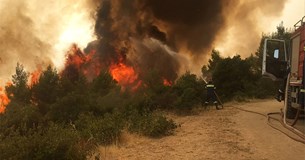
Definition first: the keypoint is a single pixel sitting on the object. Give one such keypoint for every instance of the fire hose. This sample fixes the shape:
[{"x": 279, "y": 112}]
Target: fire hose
[
  {"x": 301, "y": 136},
  {"x": 220, "y": 102},
  {"x": 282, "y": 120}
]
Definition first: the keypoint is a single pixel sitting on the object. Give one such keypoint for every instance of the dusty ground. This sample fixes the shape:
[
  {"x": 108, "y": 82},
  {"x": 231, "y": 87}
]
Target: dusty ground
[{"x": 228, "y": 134}]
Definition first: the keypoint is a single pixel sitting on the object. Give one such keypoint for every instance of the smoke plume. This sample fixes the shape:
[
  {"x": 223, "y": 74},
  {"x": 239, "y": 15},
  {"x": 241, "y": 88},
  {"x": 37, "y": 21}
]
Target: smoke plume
[
  {"x": 155, "y": 34},
  {"x": 38, "y": 33},
  {"x": 247, "y": 21},
  {"x": 170, "y": 36},
  {"x": 189, "y": 28}
]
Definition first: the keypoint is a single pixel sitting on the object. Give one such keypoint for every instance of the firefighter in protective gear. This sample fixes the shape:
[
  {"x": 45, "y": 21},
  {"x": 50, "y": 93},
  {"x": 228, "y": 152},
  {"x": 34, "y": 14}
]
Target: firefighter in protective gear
[{"x": 211, "y": 97}]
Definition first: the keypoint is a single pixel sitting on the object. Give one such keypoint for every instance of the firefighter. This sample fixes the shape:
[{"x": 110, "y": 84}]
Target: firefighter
[{"x": 211, "y": 97}]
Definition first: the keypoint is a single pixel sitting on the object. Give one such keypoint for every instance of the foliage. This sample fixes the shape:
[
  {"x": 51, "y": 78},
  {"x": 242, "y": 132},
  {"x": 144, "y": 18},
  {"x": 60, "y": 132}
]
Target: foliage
[
  {"x": 100, "y": 130},
  {"x": 103, "y": 83},
  {"x": 64, "y": 116},
  {"x": 69, "y": 107},
  {"x": 19, "y": 118},
  {"x": 215, "y": 58},
  {"x": 46, "y": 91},
  {"x": 238, "y": 79},
  {"x": 155, "y": 91},
  {"x": 52, "y": 142},
  {"x": 19, "y": 90},
  {"x": 148, "y": 123},
  {"x": 189, "y": 90}
]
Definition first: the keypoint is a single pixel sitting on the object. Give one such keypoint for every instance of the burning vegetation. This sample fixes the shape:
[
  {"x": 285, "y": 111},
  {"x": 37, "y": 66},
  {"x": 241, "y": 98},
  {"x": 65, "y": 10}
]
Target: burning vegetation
[
  {"x": 117, "y": 82},
  {"x": 4, "y": 101}
]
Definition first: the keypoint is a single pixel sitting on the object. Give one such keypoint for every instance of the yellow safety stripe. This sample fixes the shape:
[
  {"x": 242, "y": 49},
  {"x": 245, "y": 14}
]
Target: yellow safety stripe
[
  {"x": 302, "y": 90},
  {"x": 210, "y": 86}
]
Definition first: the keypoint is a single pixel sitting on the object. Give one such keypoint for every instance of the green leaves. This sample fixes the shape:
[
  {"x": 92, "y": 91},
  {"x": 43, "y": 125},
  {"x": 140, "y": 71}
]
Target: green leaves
[{"x": 19, "y": 90}]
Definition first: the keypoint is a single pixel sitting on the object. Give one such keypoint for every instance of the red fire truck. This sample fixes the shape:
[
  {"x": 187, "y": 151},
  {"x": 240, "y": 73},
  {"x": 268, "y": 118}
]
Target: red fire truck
[{"x": 282, "y": 61}]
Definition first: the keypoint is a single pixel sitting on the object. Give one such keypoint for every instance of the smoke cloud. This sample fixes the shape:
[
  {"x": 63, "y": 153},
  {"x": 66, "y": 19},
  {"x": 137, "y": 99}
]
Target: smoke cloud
[
  {"x": 246, "y": 22},
  {"x": 165, "y": 35},
  {"x": 189, "y": 28},
  {"x": 38, "y": 33}
]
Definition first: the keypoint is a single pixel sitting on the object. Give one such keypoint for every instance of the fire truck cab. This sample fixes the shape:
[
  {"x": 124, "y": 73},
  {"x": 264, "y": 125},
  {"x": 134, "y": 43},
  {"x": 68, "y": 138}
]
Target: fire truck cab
[{"x": 285, "y": 62}]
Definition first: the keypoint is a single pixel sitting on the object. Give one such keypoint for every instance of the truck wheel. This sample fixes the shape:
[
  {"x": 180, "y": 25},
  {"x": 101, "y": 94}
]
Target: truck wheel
[{"x": 290, "y": 111}]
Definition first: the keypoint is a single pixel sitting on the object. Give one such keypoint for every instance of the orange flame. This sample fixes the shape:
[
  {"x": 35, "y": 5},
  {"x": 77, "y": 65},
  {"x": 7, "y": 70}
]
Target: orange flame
[
  {"x": 75, "y": 56},
  {"x": 123, "y": 74},
  {"x": 86, "y": 63},
  {"x": 167, "y": 82},
  {"x": 35, "y": 76},
  {"x": 4, "y": 100}
]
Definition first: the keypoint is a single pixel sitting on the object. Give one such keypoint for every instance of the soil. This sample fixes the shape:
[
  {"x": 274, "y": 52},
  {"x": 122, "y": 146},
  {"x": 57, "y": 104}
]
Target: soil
[{"x": 228, "y": 134}]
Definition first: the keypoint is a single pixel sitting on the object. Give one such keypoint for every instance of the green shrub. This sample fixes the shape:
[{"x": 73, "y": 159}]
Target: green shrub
[
  {"x": 189, "y": 90},
  {"x": 187, "y": 100},
  {"x": 69, "y": 107},
  {"x": 159, "y": 126},
  {"x": 149, "y": 124},
  {"x": 53, "y": 142},
  {"x": 266, "y": 88},
  {"x": 240, "y": 96},
  {"x": 101, "y": 130},
  {"x": 19, "y": 117},
  {"x": 107, "y": 103}
]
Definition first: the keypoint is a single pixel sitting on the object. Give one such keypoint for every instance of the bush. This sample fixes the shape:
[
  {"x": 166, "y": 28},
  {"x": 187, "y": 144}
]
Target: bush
[
  {"x": 158, "y": 126},
  {"x": 69, "y": 107},
  {"x": 107, "y": 103},
  {"x": 105, "y": 130},
  {"x": 149, "y": 124},
  {"x": 53, "y": 142},
  {"x": 187, "y": 100},
  {"x": 189, "y": 90},
  {"x": 266, "y": 88},
  {"x": 240, "y": 96},
  {"x": 19, "y": 117}
]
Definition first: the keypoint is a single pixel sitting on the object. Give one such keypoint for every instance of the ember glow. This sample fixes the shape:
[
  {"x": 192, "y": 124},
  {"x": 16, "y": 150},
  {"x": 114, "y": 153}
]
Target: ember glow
[
  {"x": 34, "y": 76},
  {"x": 123, "y": 74},
  {"x": 76, "y": 57},
  {"x": 4, "y": 100},
  {"x": 167, "y": 82}
]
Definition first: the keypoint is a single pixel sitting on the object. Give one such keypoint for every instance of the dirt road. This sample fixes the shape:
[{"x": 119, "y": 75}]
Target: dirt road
[{"x": 228, "y": 134}]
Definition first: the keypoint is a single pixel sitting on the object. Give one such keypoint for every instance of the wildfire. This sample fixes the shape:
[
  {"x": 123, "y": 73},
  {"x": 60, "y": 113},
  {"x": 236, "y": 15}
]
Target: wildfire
[
  {"x": 123, "y": 74},
  {"x": 4, "y": 100},
  {"x": 85, "y": 63},
  {"x": 35, "y": 76},
  {"x": 77, "y": 57},
  {"x": 167, "y": 82}
]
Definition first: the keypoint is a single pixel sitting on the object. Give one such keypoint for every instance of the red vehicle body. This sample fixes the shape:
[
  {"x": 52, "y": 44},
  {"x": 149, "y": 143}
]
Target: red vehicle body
[{"x": 287, "y": 64}]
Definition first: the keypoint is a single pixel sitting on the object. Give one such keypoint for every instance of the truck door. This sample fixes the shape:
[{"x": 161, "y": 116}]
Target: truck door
[{"x": 274, "y": 59}]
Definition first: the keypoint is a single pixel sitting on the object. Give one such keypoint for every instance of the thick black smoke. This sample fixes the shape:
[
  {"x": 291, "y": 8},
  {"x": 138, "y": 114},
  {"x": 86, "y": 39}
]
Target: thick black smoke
[
  {"x": 191, "y": 24},
  {"x": 182, "y": 25}
]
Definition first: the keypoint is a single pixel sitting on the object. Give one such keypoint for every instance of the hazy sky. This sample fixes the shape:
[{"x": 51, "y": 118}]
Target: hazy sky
[
  {"x": 293, "y": 12},
  {"x": 243, "y": 35}
]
